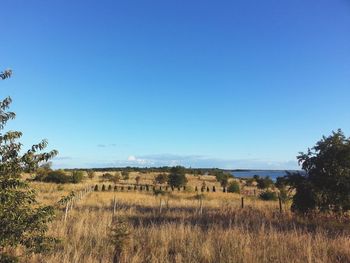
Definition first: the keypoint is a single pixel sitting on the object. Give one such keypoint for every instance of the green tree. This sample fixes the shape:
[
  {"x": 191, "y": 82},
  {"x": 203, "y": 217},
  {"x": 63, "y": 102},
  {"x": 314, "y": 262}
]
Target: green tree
[
  {"x": 77, "y": 176},
  {"x": 43, "y": 171},
  {"x": 125, "y": 175},
  {"x": 325, "y": 183},
  {"x": 177, "y": 176},
  {"x": 23, "y": 222},
  {"x": 161, "y": 178},
  {"x": 233, "y": 187},
  {"x": 222, "y": 177},
  {"x": 263, "y": 182},
  {"x": 58, "y": 177},
  {"x": 268, "y": 196}
]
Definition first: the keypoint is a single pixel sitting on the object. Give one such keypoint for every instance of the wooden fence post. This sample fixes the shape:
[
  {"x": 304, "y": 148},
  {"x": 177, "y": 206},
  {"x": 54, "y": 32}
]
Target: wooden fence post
[
  {"x": 280, "y": 203},
  {"x": 114, "y": 205},
  {"x": 160, "y": 206},
  {"x": 66, "y": 212},
  {"x": 242, "y": 202}
]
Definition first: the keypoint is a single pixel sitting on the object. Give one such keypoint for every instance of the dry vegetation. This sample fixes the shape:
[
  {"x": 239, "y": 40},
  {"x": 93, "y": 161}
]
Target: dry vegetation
[{"x": 223, "y": 232}]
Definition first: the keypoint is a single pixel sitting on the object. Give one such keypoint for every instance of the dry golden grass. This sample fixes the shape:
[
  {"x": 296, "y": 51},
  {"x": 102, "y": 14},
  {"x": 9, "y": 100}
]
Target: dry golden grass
[{"x": 222, "y": 233}]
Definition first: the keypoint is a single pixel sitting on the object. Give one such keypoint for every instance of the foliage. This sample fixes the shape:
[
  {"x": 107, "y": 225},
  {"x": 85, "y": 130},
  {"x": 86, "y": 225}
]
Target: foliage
[
  {"x": 58, "y": 177},
  {"x": 268, "y": 196},
  {"x": 23, "y": 219},
  {"x": 325, "y": 185},
  {"x": 77, "y": 177},
  {"x": 111, "y": 177},
  {"x": 161, "y": 178},
  {"x": 120, "y": 236},
  {"x": 91, "y": 174},
  {"x": 42, "y": 171},
  {"x": 233, "y": 187},
  {"x": 263, "y": 182},
  {"x": 177, "y": 177},
  {"x": 222, "y": 177},
  {"x": 125, "y": 175},
  {"x": 137, "y": 179},
  {"x": 250, "y": 181}
]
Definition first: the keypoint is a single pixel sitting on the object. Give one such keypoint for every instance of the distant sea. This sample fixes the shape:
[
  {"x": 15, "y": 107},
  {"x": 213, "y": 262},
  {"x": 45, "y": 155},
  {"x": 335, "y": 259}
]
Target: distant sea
[{"x": 273, "y": 174}]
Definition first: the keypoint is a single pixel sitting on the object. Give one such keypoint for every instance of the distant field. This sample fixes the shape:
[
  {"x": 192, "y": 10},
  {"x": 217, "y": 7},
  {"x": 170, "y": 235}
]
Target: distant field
[{"x": 185, "y": 227}]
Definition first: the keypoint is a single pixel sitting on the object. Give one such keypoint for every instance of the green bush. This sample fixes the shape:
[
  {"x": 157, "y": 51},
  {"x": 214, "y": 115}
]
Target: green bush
[
  {"x": 161, "y": 178},
  {"x": 233, "y": 187},
  {"x": 325, "y": 183},
  {"x": 177, "y": 177},
  {"x": 58, "y": 177},
  {"x": 125, "y": 175},
  {"x": 110, "y": 177},
  {"x": 77, "y": 177},
  {"x": 268, "y": 196},
  {"x": 263, "y": 182}
]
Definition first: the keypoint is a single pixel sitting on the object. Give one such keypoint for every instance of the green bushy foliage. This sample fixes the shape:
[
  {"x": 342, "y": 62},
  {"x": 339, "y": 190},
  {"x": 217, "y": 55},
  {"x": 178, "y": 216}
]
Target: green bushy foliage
[
  {"x": 263, "y": 182},
  {"x": 58, "y": 177},
  {"x": 222, "y": 177},
  {"x": 233, "y": 187},
  {"x": 23, "y": 221},
  {"x": 125, "y": 175},
  {"x": 177, "y": 177},
  {"x": 77, "y": 177},
  {"x": 161, "y": 178},
  {"x": 268, "y": 196},
  {"x": 325, "y": 184}
]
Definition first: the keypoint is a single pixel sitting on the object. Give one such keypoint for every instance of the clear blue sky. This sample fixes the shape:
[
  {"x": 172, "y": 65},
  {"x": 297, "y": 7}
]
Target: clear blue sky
[{"x": 230, "y": 84}]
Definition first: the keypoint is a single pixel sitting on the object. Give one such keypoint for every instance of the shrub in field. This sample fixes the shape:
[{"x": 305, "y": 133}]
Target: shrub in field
[
  {"x": 233, "y": 187},
  {"x": 137, "y": 179},
  {"x": 263, "y": 182},
  {"x": 161, "y": 178},
  {"x": 325, "y": 185},
  {"x": 91, "y": 174},
  {"x": 115, "y": 178},
  {"x": 77, "y": 177},
  {"x": 120, "y": 236},
  {"x": 268, "y": 196},
  {"x": 23, "y": 221},
  {"x": 42, "y": 172},
  {"x": 125, "y": 175},
  {"x": 58, "y": 177},
  {"x": 222, "y": 177},
  {"x": 250, "y": 181},
  {"x": 177, "y": 177}
]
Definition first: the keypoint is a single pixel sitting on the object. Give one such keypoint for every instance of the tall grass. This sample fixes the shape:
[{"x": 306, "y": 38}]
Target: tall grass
[{"x": 222, "y": 233}]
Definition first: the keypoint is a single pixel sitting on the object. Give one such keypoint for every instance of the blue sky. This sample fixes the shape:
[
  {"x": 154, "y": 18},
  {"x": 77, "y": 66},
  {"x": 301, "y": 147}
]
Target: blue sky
[{"x": 229, "y": 84}]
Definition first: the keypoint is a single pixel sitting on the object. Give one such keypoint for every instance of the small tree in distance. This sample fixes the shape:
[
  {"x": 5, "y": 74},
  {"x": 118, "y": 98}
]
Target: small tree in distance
[
  {"x": 177, "y": 176},
  {"x": 233, "y": 187},
  {"x": 161, "y": 178}
]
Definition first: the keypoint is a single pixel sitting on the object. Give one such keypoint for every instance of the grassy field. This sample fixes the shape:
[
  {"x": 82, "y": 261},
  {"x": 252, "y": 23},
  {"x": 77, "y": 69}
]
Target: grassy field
[{"x": 186, "y": 229}]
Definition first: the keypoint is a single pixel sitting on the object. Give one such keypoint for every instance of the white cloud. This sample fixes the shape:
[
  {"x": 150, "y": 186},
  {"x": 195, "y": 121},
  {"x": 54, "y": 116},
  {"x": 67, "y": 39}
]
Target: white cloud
[{"x": 131, "y": 158}]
